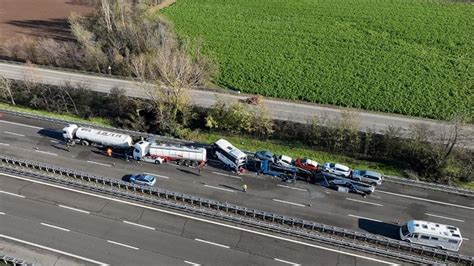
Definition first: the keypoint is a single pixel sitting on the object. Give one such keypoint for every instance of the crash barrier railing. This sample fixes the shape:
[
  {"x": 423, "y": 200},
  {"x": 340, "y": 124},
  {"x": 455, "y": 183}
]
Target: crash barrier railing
[
  {"x": 390, "y": 179},
  {"x": 430, "y": 186},
  {"x": 9, "y": 260},
  {"x": 295, "y": 227},
  {"x": 114, "y": 129}
]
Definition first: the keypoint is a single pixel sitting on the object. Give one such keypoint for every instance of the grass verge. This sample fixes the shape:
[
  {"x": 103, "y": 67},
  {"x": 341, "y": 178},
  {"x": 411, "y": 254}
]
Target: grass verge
[{"x": 95, "y": 120}]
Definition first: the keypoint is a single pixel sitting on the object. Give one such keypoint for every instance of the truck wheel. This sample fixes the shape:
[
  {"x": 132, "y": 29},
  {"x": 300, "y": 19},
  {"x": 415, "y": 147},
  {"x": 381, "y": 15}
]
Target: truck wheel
[
  {"x": 194, "y": 164},
  {"x": 84, "y": 143},
  {"x": 157, "y": 162},
  {"x": 186, "y": 163}
]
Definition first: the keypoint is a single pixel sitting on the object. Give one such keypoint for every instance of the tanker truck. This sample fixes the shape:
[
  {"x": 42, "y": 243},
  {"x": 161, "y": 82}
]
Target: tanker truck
[
  {"x": 152, "y": 151},
  {"x": 87, "y": 136}
]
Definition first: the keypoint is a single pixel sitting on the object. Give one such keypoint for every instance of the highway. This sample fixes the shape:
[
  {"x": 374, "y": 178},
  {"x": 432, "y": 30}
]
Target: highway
[
  {"x": 278, "y": 109},
  {"x": 100, "y": 230},
  {"x": 379, "y": 213}
]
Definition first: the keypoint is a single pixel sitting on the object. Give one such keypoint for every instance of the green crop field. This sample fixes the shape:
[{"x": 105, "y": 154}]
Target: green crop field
[{"x": 408, "y": 57}]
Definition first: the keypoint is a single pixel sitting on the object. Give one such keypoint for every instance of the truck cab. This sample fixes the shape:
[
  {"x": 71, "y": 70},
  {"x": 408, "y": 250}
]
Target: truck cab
[
  {"x": 68, "y": 132},
  {"x": 140, "y": 150}
]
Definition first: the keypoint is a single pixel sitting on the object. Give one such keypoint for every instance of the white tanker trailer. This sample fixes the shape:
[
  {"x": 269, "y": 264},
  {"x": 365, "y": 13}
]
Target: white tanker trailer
[
  {"x": 152, "y": 151},
  {"x": 87, "y": 136}
]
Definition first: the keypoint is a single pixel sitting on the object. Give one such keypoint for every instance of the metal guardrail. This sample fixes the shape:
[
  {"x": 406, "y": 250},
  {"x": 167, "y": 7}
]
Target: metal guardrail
[
  {"x": 390, "y": 179},
  {"x": 429, "y": 186},
  {"x": 9, "y": 260},
  {"x": 118, "y": 130},
  {"x": 295, "y": 227}
]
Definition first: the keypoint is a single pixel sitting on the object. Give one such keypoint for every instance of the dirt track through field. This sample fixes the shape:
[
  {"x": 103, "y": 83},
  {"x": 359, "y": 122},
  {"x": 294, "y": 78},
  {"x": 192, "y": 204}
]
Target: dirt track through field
[
  {"x": 37, "y": 18},
  {"x": 165, "y": 3}
]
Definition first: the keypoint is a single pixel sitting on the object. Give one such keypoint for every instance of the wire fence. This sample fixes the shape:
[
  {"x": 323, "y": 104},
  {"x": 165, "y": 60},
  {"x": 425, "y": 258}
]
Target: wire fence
[{"x": 268, "y": 221}]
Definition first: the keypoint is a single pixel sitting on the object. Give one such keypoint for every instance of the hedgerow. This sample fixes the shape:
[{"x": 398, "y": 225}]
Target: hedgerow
[{"x": 409, "y": 57}]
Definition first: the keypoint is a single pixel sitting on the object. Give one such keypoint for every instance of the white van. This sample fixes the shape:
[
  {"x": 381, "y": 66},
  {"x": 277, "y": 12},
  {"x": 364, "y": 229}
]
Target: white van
[{"x": 431, "y": 234}]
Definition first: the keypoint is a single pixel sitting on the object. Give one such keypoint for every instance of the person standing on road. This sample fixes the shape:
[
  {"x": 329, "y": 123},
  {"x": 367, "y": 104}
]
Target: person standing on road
[{"x": 109, "y": 152}]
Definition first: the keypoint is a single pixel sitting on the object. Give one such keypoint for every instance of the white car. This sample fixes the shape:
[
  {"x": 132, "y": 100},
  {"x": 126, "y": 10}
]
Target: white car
[
  {"x": 337, "y": 169},
  {"x": 284, "y": 160}
]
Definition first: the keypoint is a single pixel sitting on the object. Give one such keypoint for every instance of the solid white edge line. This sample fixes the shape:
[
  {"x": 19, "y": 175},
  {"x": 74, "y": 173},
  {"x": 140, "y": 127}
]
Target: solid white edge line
[
  {"x": 12, "y": 194},
  {"x": 2, "y": 213},
  {"x": 4, "y": 144},
  {"x": 13, "y": 133},
  {"x": 287, "y": 262},
  {"x": 45, "y": 152},
  {"x": 55, "y": 227},
  {"x": 366, "y": 202},
  {"x": 140, "y": 225},
  {"x": 362, "y": 217},
  {"x": 162, "y": 176},
  {"x": 289, "y": 202},
  {"x": 295, "y": 188},
  {"x": 211, "y": 243},
  {"x": 233, "y": 176},
  {"x": 225, "y": 189},
  {"x": 444, "y": 217},
  {"x": 192, "y": 263},
  {"x": 103, "y": 164},
  {"x": 428, "y": 200},
  {"x": 19, "y": 124},
  {"x": 123, "y": 245},
  {"x": 74, "y": 209},
  {"x": 467, "y": 239},
  {"x": 204, "y": 220},
  {"x": 53, "y": 250}
]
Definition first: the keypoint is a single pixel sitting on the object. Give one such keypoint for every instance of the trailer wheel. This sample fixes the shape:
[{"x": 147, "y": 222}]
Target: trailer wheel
[
  {"x": 194, "y": 164},
  {"x": 186, "y": 163},
  {"x": 179, "y": 162},
  {"x": 84, "y": 142}
]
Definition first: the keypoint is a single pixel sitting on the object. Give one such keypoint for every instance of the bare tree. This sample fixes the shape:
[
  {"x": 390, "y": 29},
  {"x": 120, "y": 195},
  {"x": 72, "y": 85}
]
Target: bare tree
[{"x": 6, "y": 88}]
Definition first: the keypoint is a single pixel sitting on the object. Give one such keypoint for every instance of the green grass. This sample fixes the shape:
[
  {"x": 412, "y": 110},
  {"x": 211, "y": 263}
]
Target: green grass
[
  {"x": 95, "y": 120},
  {"x": 295, "y": 151},
  {"x": 412, "y": 57}
]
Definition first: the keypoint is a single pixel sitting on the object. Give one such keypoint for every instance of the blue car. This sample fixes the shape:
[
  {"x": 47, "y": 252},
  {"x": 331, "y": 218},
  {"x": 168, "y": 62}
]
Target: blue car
[
  {"x": 143, "y": 179},
  {"x": 264, "y": 155}
]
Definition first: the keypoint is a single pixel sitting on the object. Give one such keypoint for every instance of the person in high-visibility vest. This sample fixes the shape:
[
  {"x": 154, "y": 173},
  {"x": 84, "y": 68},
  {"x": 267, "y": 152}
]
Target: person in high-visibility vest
[
  {"x": 244, "y": 188},
  {"x": 109, "y": 152}
]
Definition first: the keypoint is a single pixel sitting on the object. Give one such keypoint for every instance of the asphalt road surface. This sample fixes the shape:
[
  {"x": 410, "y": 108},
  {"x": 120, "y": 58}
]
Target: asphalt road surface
[
  {"x": 379, "y": 213},
  {"x": 279, "y": 109},
  {"x": 101, "y": 230}
]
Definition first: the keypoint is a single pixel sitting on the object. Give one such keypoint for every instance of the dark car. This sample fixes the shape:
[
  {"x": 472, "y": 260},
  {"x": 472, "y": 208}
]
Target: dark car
[
  {"x": 264, "y": 155},
  {"x": 143, "y": 179},
  {"x": 355, "y": 187}
]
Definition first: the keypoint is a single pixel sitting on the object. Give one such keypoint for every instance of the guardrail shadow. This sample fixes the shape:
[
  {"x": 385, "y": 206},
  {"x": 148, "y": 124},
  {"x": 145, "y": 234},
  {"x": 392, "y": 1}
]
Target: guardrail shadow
[{"x": 380, "y": 228}]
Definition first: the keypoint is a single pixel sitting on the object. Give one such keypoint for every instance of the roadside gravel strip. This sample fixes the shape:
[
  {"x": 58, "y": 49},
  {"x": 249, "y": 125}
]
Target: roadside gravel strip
[{"x": 207, "y": 208}]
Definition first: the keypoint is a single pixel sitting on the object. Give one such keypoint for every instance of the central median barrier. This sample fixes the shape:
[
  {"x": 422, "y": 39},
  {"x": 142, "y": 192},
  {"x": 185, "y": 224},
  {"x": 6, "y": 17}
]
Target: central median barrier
[{"x": 262, "y": 220}]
